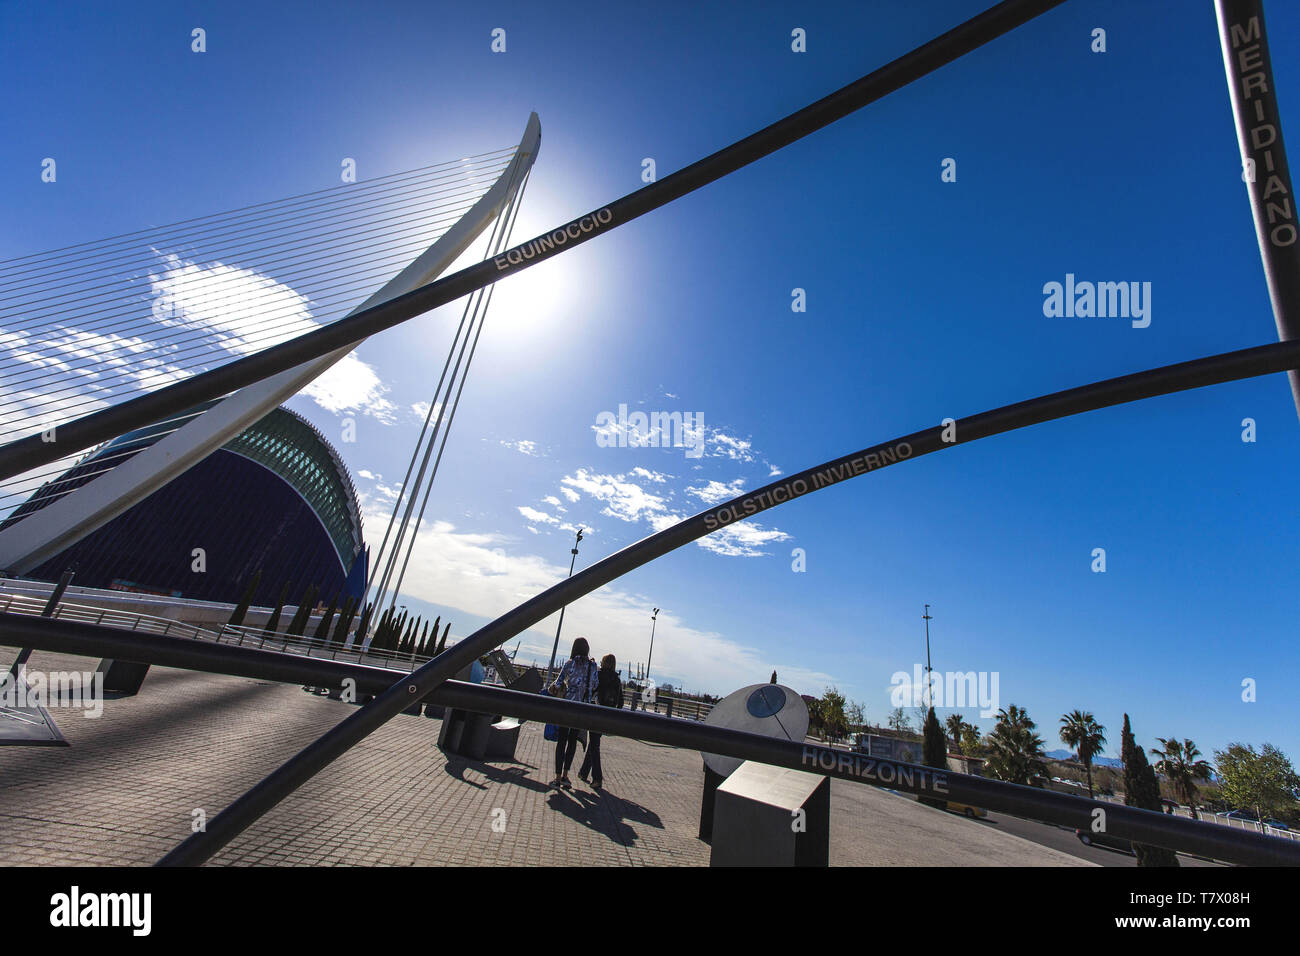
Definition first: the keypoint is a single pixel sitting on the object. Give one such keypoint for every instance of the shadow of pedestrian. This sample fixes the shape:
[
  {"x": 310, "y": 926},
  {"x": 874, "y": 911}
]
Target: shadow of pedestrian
[
  {"x": 604, "y": 813},
  {"x": 515, "y": 774}
]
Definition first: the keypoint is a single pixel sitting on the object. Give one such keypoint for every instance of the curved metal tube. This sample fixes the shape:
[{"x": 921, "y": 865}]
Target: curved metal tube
[
  {"x": 26, "y": 453},
  {"x": 1128, "y": 388}
]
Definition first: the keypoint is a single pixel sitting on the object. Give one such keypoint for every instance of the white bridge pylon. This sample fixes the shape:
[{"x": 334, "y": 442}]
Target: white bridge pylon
[{"x": 43, "y": 534}]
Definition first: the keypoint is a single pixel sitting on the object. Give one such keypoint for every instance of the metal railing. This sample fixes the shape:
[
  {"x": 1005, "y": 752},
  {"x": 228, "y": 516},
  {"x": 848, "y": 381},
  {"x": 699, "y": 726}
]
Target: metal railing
[
  {"x": 1207, "y": 816},
  {"x": 239, "y": 635}
]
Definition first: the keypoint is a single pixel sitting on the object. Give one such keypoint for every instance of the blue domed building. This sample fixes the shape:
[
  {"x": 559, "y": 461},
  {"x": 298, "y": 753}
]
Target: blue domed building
[{"x": 276, "y": 500}]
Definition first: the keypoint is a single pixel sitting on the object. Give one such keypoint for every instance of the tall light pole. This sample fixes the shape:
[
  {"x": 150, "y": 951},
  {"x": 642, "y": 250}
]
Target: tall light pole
[
  {"x": 550, "y": 668},
  {"x": 928, "y": 682},
  {"x": 653, "y": 618}
]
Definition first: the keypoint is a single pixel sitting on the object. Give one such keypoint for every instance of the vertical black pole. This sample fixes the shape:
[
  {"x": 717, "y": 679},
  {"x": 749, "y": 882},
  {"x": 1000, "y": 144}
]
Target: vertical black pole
[
  {"x": 48, "y": 611},
  {"x": 927, "y": 618},
  {"x": 550, "y": 668}
]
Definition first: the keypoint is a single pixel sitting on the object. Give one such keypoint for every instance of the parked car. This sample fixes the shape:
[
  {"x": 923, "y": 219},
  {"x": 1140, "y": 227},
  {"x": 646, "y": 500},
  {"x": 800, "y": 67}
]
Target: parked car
[
  {"x": 1239, "y": 815},
  {"x": 967, "y": 809},
  {"x": 1088, "y": 838},
  {"x": 1276, "y": 824}
]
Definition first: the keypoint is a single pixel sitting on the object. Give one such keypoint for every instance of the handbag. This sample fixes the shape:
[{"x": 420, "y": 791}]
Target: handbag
[{"x": 550, "y": 731}]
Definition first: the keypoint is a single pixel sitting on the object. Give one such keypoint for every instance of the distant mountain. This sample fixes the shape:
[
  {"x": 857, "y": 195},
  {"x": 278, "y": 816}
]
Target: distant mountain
[{"x": 1096, "y": 761}]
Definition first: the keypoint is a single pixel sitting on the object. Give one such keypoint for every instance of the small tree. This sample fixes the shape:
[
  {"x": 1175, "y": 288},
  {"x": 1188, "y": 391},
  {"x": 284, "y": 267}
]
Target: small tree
[
  {"x": 363, "y": 624},
  {"x": 273, "y": 622},
  {"x": 934, "y": 751},
  {"x": 241, "y": 609},
  {"x": 1264, "y": 782},
  {"x": 1141, "y": 790},
  {"x": 815, "y": 723},
  {"x": 832, "y": 713},
  {"x": 323, "y": 627},
  {"x": 305, "y": 604},
  {"x": 898, "y": 720},
  {"x": 972, "y": 745},
  {"x": 340, "y": 636},
  {"x": 856, "y": 713}
]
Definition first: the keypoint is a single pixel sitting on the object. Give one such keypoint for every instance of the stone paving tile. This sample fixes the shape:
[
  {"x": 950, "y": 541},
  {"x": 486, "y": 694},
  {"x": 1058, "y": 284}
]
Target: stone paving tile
[{"x": 125, "y": 793}]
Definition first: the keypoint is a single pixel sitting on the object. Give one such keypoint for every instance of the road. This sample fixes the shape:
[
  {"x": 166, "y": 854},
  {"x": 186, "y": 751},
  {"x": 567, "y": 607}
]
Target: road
[{"x": 1059, "y": 838}]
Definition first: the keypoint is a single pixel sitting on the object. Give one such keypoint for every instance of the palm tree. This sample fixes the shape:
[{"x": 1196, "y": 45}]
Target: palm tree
[
  {"x": 1180, "y": 767},
  {"x": 1080, "y": 730},
  {"x": 955, "y": 725},
  {"x": 1015, "y": 750}
]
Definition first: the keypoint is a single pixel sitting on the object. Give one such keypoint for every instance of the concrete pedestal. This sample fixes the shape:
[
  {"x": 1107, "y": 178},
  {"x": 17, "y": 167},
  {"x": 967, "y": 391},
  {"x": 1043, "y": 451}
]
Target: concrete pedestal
[
  {"x": 466, "y": 733},
  {"x": 711, "y": 783},
  {"x": 755, "y": 815},
  {"x": 122, "y": 677}
]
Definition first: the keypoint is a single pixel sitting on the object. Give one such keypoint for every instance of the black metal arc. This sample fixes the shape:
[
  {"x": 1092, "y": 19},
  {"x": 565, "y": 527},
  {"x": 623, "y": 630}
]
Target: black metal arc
[
  {"x": 1249, "y": 67},
  {"x": 313, "y": 758},
  {"x": 1142, "y": 826},
  {"x": 19, "y": 456}
]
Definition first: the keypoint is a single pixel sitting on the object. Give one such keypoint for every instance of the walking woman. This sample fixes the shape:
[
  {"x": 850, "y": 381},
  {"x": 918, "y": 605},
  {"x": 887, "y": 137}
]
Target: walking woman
[
  {"x": 576, "y": 681},
  {"x": 609, "y": 693}
]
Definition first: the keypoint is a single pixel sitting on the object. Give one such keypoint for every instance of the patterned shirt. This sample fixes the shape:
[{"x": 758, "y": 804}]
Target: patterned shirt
[{"x": 579, "y": 677}]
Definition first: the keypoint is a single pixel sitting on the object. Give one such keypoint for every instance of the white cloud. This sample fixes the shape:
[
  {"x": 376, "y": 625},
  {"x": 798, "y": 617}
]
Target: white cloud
[
  {"x": 716, "y": 492},
  {"x": 539, "y": 517},
  {"x": 655, "y": 476},
  {"x": 623, "y": 499},
  {"x": 736, "y": 449},
  {"x": 743, "y": 539},
  {"x": 476, "y": 573},
  {"x": 523, "y": 446},
  {"x": 350, "y": 385}
]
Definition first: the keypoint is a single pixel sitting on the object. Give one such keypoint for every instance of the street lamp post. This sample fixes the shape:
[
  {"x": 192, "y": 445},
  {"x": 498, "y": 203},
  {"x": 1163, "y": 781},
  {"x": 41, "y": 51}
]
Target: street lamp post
[
  {"x": 653, "y": 618},
  {"x": 550, "y": 668},
  {"x": 928, "y": 681}
]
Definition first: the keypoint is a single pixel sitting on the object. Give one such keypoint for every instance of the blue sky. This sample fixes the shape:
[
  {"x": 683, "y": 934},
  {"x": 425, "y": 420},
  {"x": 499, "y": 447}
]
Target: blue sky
[{"x": 924, "y": 301}]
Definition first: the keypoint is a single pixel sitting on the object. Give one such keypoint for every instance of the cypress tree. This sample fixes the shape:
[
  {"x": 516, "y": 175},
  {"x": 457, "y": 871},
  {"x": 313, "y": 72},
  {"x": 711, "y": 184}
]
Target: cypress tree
[
  {"x": 363, "y": 624},
  {"x": 305, "y": 604},
  {"x": 237, "y": 616},
  {"x": 345, "y": 621},
  {"x": 442, "y": 645},
  {"x": 934, "y": 751},
  {"x": 323, "y": 628},
  {"x": 1141, "y": 790},
  {"x": 273, "y": 622}
]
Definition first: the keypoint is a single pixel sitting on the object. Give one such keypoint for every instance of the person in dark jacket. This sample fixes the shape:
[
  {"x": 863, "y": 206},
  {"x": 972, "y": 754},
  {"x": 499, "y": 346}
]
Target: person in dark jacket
[{"x": 609, "y": 693}]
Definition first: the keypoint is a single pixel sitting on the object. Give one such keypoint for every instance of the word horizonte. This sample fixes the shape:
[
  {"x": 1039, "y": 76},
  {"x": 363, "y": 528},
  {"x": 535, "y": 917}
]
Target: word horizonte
[
  {"x": 849, "y": 764},
  {"x": 797, "y": 486},
  {"x": 553, "y": 240}
]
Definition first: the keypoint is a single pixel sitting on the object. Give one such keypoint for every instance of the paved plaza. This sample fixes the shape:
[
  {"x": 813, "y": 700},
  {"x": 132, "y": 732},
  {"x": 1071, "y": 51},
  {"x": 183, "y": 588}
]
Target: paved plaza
[{"x": 128, "y": 789}]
